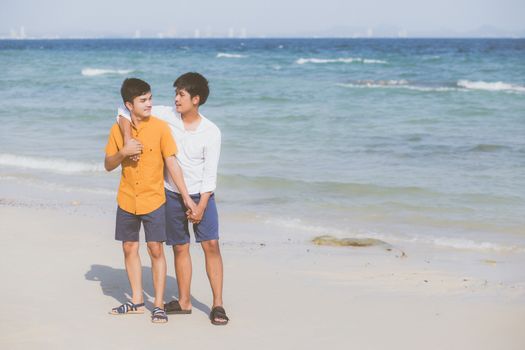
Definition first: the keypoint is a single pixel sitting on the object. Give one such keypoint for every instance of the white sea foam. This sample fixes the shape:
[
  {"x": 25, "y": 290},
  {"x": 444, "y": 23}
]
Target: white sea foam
[
  {"x": 396, "y": 84},
  {"x": 461, "y": 85},
  {"x": 230, "y": 55},
  {"x": 53, "y": 186},
  {"x": 92, "y": 72},
  {"x": 472, "y": 245},
  {"x": 56, "y": 165},
  {"x": 339, "y": 60},
  {"x": 397, "y": 239},
  {"x": 488, "y": 86},
  {"x": 382, "y": 82},
  {"x": 366, "y": 60}
]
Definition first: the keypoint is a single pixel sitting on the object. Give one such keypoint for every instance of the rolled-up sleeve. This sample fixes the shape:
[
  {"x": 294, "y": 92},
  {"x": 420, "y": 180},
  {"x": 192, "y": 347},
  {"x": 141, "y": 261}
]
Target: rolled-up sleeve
[
  {"x": 115, "y": 141},
  {"x": 168, "y": 146},
  {"x": 212, "y": 152}
]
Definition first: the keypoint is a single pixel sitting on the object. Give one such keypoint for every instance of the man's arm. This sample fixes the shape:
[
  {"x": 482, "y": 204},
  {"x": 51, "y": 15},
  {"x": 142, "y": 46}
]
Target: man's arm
[
  {"x": 125, "y": 128},
  {"x": 212, "y": 153},
  {"x": 124, "y": 125},
  {"x": 175, "y": 173},
  {"x": 131, "y": 148},
  {"x": 124, "y": 119}
]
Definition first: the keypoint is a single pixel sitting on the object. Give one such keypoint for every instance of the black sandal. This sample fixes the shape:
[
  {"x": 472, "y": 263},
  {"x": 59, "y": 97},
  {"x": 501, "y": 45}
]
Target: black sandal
[
  {"x": 218, "y": 313},
  {"x": 173, "y": 307}
]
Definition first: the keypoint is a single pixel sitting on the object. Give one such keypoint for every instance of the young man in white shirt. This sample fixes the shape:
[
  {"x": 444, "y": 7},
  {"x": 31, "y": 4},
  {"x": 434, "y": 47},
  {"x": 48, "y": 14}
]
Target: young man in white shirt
[{"x": 199, "y": 142}]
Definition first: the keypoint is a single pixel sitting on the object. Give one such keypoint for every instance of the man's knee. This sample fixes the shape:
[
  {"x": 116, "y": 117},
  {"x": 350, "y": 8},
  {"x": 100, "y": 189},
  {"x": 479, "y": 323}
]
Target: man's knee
[
  {"x": 155, "y": 250},
  {"x": 130, "y": 248},
  {"x": 211, "y": 246},
  {"x": 181, "y": 249}
]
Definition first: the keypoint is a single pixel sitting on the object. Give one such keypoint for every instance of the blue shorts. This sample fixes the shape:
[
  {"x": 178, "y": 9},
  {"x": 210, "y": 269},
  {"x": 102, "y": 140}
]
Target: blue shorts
[
  {"x": 177, "y": 225},
  {"x": 128, "y": 225}
]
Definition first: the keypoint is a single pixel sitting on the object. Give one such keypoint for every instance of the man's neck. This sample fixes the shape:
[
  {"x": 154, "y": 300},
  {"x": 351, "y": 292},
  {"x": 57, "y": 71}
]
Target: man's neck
[
  {"x": 136, "y": 120},
  {"x": 191, "y": 116}
]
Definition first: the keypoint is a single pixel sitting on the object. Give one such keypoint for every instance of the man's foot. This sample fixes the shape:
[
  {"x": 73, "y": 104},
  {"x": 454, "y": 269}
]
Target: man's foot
[
  {"x": 158, "y": 315},
  {"x": 218, "y": 316},
  {"x": 174, "y": 307},
  {"x": 128, "y": 308}
]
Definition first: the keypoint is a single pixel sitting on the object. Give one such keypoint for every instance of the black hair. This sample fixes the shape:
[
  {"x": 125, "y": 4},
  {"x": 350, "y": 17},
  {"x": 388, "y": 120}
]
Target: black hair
[
  {"x": 195, "y": 84},
  {"x": 133, "y": 87}
]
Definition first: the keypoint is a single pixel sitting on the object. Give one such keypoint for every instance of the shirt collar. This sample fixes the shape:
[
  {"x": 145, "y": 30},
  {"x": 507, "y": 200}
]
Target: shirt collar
[{"x": 143, "y": 123}]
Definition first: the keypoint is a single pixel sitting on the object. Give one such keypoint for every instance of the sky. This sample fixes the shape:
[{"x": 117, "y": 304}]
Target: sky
[{"x": 267, "y": 18}]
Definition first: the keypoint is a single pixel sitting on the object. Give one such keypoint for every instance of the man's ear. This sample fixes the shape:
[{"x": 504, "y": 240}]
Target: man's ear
[
  {"x": 129, "y": 105},
  {"x": 196, "y": 100}
]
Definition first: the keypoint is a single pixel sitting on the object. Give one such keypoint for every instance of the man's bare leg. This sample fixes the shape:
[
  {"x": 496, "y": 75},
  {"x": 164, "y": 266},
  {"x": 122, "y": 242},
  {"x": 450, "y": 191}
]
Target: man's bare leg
[
  {"x": 183, "y": 270},
  {"x": 134, "y": 270},
  {"x": 214, "y": 270},
  {"x": 158, "y": 269}
]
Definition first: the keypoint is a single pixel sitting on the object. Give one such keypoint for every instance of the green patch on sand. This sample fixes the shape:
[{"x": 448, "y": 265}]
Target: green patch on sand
[
  {"x": 348, "y": 242},
  {"x": 489, "y": 261},
  {"x": 328, "y": 240}
]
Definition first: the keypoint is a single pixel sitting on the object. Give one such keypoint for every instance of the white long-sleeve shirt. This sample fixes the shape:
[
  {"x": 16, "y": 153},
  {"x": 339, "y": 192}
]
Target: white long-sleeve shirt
[{"x": 198, "y": 151}]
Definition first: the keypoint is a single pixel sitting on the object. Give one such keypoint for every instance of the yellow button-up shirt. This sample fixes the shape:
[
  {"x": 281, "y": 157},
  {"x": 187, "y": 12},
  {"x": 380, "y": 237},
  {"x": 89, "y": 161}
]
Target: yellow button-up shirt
[{"x": 141, "y": 189}]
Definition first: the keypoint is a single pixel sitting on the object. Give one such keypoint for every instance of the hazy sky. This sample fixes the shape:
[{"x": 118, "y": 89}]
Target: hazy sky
[{"x": 267, "y": 17}]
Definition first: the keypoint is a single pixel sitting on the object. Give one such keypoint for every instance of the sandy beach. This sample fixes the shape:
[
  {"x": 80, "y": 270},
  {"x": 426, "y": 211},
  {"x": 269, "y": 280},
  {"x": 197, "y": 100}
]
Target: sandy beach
[
  {"x": 367, "y": 163},
  {"x": 63, "y": 272}
]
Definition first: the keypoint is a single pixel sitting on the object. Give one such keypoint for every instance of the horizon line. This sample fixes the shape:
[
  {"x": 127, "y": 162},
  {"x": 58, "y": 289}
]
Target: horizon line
[{"x": 259, "y": 38}]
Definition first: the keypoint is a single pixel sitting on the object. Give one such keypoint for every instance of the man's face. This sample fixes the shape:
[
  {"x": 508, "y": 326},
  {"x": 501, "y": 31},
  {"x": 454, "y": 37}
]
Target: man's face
[
  {"x": 184, "y": 102},
  {"x": 141, "y": 105}
]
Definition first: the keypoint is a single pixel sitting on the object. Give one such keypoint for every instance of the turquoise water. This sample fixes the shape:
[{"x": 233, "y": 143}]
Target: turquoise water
[{"x": 414, "y": 139}]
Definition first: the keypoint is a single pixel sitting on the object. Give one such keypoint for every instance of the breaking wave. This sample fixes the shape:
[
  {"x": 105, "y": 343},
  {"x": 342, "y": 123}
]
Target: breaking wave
[
  {"x": 339, "y": 60},
  {"x": 49, "y": 164},
  {"x": 230, "y": 55},
  {"x": 93, "y": 72}
]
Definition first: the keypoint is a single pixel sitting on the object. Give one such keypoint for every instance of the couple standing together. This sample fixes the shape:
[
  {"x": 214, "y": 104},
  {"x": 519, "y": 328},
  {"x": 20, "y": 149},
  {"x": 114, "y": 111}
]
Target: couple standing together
[{"x": 169, "y": 158}]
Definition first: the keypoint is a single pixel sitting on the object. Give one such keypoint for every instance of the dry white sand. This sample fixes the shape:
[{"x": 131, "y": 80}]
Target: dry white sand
[{"x": 62, "y": 271}]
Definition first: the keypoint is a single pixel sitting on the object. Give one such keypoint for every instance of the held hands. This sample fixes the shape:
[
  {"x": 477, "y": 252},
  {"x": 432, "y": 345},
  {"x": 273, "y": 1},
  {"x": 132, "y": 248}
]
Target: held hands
[
  {"x": 195, "y": 216},
  {"x": 194, "y": 212},
  {"x": 132, "y": 149}
]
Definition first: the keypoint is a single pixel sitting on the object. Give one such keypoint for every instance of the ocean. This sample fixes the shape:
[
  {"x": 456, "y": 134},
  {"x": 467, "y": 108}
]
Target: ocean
[{"x": 419, "y": 140}]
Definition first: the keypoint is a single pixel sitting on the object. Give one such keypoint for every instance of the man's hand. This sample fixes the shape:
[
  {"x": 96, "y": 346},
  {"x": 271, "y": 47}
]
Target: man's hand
[
  {"x": 135, "y": 158},
  {"x": 132, "y": 148},
  {"x": 189, "y": 204},
  {"x": 195, "y": 216}
]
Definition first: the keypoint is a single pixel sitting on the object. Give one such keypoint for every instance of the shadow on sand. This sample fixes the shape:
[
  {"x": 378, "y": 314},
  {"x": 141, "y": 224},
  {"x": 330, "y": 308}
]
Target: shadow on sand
[{"x": 114, "y": 283}]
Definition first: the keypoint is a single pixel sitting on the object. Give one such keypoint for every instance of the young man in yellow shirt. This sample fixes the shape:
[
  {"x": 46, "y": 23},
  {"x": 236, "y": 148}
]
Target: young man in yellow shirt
[{"x": 141, "y": 197}]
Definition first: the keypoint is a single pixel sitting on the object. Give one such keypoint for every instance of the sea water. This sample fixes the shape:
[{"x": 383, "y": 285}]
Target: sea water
[{"x": 408, "y": 139}]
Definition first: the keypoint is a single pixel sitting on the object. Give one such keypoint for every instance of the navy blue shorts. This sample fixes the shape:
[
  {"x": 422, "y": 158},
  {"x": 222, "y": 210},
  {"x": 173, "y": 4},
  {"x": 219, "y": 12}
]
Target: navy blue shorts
[
  {"x": 177, "y": 225},
  {"x": 128, "y": 225}
]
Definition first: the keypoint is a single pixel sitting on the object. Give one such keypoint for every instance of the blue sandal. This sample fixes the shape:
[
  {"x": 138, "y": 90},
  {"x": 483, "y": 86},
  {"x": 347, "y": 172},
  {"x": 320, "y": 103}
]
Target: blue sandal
[
  {"x": 158, "y": 315},
  {"x": 127, "y": 308}
]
